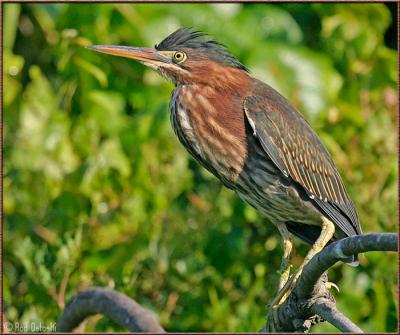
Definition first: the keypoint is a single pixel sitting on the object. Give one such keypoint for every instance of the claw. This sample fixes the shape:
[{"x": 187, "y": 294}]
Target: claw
[{"x": 329, "y": 285}]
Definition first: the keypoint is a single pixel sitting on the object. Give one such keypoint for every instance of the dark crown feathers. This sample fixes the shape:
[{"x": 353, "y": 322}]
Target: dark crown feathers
[{"x": 197, "y": 40}]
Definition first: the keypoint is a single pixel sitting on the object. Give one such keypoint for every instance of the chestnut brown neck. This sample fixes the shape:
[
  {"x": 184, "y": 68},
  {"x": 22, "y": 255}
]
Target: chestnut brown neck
[{"x": 216, "y": 76}]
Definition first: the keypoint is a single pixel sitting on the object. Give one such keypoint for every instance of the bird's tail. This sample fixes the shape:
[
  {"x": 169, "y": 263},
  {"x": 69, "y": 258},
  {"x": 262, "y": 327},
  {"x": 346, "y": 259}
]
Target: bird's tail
[{"x": 352, "y": 261}]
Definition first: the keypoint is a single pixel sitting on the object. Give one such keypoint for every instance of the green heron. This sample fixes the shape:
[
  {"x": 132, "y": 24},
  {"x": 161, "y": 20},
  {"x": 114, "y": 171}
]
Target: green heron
[{"x": 254, "y": 140}]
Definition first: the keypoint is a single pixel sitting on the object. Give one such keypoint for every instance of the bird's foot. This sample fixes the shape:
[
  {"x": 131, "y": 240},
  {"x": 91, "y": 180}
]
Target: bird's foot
[
  {"x": 273, "y": 307},
  {"x": 272, "y": 325}
]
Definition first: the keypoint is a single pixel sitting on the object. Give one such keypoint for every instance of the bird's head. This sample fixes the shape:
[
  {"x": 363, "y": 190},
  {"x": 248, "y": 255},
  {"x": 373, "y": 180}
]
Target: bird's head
[{"x": 185, "y": 57}]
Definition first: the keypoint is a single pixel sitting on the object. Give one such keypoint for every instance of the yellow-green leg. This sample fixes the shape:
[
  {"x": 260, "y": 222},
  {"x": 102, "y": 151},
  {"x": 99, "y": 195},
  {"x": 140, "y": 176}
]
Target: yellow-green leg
[
  {"x": 327, "y": 231},
  {"x": 284, "y": 270}
]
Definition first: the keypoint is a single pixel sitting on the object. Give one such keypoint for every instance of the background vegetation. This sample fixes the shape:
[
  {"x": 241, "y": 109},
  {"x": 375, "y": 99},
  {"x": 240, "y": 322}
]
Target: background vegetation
[{"x": 98, "y": 191}]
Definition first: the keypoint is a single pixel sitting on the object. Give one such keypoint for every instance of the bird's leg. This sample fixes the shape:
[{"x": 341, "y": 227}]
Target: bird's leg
[
  {"x": 284, "y": 270},
  {"x": 327, "y": 231}
]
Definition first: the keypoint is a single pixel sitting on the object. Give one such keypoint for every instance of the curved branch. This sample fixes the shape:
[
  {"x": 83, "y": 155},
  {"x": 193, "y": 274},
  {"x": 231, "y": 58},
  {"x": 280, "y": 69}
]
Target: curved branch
[
  {"x": 309, "y": 302},
  {"x": 120, "y": 308},
  {"x": 311, "y": 298},
  {"x": 340, "y": 250}
]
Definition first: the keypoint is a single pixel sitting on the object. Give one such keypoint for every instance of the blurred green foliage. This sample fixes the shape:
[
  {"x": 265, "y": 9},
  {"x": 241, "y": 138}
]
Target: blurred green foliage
[{"x": 98, "y": 191}]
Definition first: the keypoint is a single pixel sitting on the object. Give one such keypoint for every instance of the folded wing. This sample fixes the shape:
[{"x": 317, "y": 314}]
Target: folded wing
[{"x": 294, "y": 147}]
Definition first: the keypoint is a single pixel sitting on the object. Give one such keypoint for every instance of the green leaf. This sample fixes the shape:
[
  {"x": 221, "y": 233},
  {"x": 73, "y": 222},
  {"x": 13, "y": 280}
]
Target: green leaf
[
  {"x": 11, "y": 18},
  {"x": 93, "y": 70},
  {"x": 12, "y": 66}
]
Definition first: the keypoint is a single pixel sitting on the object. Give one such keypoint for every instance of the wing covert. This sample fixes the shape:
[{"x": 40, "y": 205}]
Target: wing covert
[{"x": 296, "y": 150}]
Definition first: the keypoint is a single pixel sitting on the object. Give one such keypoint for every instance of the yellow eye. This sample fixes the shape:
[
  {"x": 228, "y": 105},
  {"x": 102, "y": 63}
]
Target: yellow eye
[{"x": 179, "y": 57}]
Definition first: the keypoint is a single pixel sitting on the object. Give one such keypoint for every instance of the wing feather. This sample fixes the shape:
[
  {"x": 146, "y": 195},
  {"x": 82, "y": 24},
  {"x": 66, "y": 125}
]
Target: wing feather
[{"x": 296, "y": 150}]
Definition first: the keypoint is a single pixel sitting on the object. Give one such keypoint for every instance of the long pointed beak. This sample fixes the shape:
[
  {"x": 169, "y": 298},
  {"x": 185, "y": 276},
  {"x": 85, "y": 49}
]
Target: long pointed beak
[{"x": 148, "y": 56}]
